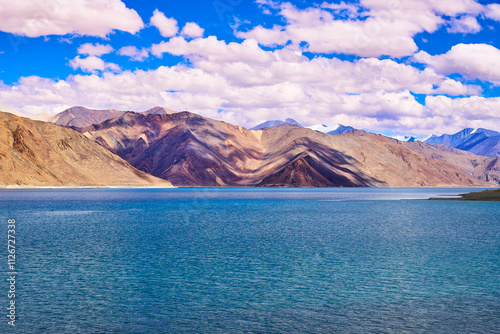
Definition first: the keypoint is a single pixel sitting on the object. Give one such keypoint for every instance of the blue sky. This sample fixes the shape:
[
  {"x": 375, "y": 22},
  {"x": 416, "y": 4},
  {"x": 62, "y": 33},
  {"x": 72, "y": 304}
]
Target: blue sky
[{"x": 412, "y": 66}]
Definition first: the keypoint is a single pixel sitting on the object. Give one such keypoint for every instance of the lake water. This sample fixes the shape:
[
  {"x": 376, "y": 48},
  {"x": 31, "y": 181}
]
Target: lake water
[{"x": 251, "y": 261}]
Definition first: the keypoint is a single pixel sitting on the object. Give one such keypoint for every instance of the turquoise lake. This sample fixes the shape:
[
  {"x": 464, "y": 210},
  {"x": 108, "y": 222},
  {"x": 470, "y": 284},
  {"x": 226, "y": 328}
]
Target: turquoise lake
[{"x": 251, "y": 260}]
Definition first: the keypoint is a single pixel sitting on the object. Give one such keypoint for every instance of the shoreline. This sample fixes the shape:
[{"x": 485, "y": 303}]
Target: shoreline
[
  {"x": 83, "y": 187},
  {"x": 14, "y": 187},
  {"x": 486, "y": 195}
]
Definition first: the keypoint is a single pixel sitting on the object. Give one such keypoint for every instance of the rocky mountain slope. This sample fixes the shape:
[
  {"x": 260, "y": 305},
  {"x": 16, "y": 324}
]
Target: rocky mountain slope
[
  {"x": 34, "y": 153},
  {"x": 191, "y": 150}
]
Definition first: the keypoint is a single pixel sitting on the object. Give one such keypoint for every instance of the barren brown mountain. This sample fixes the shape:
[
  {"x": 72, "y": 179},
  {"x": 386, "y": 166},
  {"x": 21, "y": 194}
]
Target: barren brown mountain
[
  {"x": 34, "y": 153},
  {"x": 191, "y": 150}
]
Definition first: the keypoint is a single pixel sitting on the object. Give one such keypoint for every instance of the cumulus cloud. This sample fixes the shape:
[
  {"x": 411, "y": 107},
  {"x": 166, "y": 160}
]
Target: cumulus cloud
[
  {"x": 167, "y": 26},
  {"x": 492, "y": 11},
  {"x": 474, "y": 111},
  {"x": 212, "y": 49},
  {"x": 473, "y": 61},
  {"x": 92, "y": 64},
  {"x": 380, "y": 27},
  {"x": 350, "y": 9},
  {"x": 192, "y": 30},
  {"x": 322, "y": 33},
  {"x": 246, "y": 64},
  {"x": 34, "y": 18},
  {"x": 465, "y": 25},
  {"x": 94, "y": 49},
  {"x": 133, "y": 53}
]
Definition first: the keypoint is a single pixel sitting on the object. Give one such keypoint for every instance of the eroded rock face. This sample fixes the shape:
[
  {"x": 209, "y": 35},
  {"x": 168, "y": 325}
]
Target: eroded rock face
[
  {"x": 34, "y": 153},
  {"x": 190, "y": 150}
]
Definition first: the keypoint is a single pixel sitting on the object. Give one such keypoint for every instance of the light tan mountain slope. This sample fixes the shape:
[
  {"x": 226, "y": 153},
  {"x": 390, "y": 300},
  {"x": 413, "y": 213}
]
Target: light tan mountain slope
[
  {"x": 34, "y": 153},
  {"x": 483, "y": 168}
]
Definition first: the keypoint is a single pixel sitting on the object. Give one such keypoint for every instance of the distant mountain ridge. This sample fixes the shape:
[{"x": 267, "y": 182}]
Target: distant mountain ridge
[
  {"x": 407, "y": 139},
  {"x": 273, "y": 123},
  {"x": 80, "y": 116},
  {"x": 158, "y": 111},
  {"x": 479, "y": 141},
  {"x": 331, "y": 129},
  {"x": 325, "y": 128}
]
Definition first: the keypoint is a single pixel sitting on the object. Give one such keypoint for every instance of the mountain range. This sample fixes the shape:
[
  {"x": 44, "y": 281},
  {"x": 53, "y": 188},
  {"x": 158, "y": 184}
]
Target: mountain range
[
  {"x": 186, "y": 149},
  {"x": 190, "y": 150},
  {"x": 81, "y": 116},
  {"x": 478, "y": 141},
  {"x": 325, "y": 128}
]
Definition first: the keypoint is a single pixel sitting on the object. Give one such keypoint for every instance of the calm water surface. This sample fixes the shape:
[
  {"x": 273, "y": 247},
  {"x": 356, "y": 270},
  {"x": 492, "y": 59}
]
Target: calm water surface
[{"x": 251, "y": 261}]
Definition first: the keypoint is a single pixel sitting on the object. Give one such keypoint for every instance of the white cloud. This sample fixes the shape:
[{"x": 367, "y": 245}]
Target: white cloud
[
  {"x": 493, "y": 12},
  {"x": 192, "y": 30},
  {"x": 268, "y": 3},
  {"x": 34, "y": 18},
  {"x": 134, "y": 53},
  {"x": 94, "y": 49},
  {"x": 246, "y": 64},
  {"x": 212, "y": 49},
  {"x": 473, "y": 111},
  {"x": 428, "y": 7},
  {"x": 465, "y": 25},
  {"x": 167, "y": 26},
  {"x": 92, "y": 64},
  {"x": 473, "y": 61},
  {"x": 351, "y": 9},
  {"x": 380, "y": 27}
]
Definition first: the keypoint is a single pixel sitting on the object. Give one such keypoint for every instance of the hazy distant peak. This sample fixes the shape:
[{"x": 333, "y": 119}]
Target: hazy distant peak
[
  {"x": 40, "y": 117},
  {"x": 273, "y": 123},
  {"x": 159, "y": 111},
  {"x": 10, "y": 110}
]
